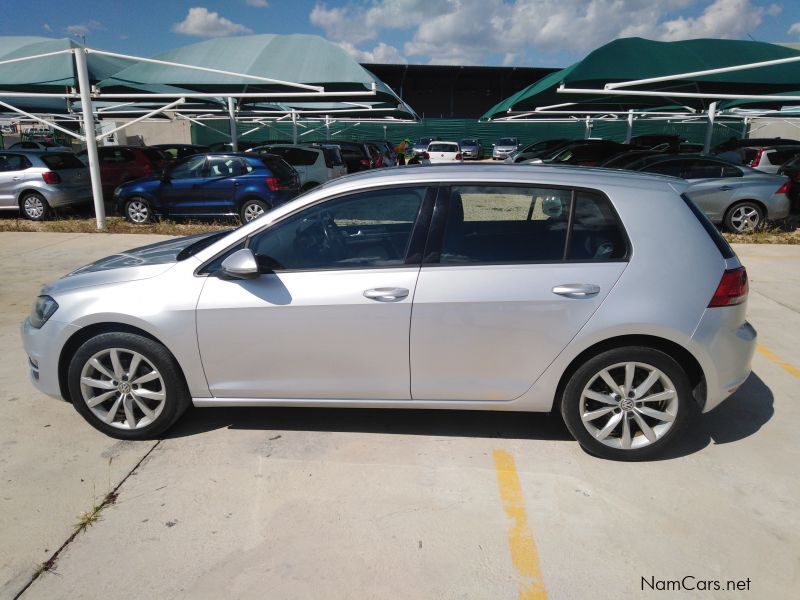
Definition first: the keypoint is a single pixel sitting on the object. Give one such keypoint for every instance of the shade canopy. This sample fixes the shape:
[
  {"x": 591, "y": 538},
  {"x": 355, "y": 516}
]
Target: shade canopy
[{"x": 632, "y": 59}]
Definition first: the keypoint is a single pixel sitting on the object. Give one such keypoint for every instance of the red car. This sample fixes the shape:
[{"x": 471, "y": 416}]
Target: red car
[{"x": 119, "y": 164}]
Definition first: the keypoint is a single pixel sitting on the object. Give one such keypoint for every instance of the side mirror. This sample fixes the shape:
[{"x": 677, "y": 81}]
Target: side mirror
[{"x": 241, "y": 265}]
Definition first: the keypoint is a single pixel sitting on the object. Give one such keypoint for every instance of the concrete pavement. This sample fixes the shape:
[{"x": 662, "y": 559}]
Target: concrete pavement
[{"x": 300, "y": 503}]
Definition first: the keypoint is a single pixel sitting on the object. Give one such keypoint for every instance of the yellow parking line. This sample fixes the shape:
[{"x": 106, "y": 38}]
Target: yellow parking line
[
  {"x": 520, "y": 540},
  {"x": 786, "y": 366}
]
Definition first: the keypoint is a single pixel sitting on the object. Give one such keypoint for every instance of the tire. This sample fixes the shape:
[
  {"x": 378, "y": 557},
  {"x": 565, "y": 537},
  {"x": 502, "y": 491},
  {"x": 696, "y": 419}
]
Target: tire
[
  {"x": 138, "y": 211},
  {"x": 34, "y": 207},
  {"x": 252, "y": 209},
  {"x": 166, "y": 399},
  {"x": 652, "y": 426},
  {"x": 744, "y": 217}
]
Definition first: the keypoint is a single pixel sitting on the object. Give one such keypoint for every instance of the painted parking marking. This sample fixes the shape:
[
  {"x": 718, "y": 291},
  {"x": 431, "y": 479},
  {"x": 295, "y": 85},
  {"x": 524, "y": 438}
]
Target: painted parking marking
[
  {"x": 785, "y": 365},
  {"x": 524, "y": 556}
]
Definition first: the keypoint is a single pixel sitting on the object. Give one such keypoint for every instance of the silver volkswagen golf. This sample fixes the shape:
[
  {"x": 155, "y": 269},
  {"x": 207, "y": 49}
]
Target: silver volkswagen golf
[{"x": 604, "y": 296}]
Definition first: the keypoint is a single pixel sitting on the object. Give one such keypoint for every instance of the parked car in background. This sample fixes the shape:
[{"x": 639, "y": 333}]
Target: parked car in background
[
  {"x": 178, "y": 151},
  {"x": 211, "y": 185},
  {"x": 582, "y": 153},
  {"x": 628, "y": 157},
  {"x": 34, "y": 182},
  {"x": 791, "y": 169},
  {"x": 357, "y": 156},
  {"x": 740, "y": 198},
  {"x": 333, "y": 156},
  {"x": 242, "y": 145},
  {"x": 471, "y": 148},
  {"x": 503, "y": 147},
  {"x": 387, "y": 152},
  {"x": 536, "y": 150},
  {"x": 663, "y": 142},
  {"x": 767, "y": 158},
  {"x": 421, "y": 145},
  {"x": 442, "y": 152},
  {"x": 43, "y": 146},
  {"x": 309, "y": 161},
  {"x": 119, "y": 164},
  {"x": 533, "y": 300}
]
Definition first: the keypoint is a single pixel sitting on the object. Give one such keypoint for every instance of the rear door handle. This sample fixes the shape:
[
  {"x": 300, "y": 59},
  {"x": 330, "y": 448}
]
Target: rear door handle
[
  {"x": 386, "y": 294},
  {"x": 577, "y": 290}
]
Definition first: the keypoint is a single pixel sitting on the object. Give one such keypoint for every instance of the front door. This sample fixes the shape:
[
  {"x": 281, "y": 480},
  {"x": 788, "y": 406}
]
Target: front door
[
  {"x": 179, "y": 190},
  {"x": 503, "y": 295},
  {"x": 329, "y": 317},
  {"x": 12, "y": 175}
]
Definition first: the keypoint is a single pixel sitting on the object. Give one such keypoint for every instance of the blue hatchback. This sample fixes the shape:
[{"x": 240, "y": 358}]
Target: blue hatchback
[{"x": 207, "y": 185}]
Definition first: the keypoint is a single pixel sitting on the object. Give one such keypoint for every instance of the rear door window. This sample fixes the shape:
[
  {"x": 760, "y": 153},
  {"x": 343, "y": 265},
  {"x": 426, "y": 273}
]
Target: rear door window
[
  {"x": 675, "y": 168},
  {"x": 596, "y": 233},
  {"x": 14, "y": 162},
  {"x": 703, "y": 169}
]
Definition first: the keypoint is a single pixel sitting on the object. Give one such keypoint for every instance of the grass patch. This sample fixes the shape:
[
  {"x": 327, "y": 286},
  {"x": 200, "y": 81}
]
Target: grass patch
[
  {"x": 770, "y": 235},
  {"x": 113, "y": 225}
]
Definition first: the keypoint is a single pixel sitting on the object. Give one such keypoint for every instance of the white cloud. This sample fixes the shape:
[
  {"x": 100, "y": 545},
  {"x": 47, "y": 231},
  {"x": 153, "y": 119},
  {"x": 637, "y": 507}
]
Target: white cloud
[
  {"x": 380, "y": 54},
  {"x": 204, "y": 23},
  {"x": 258, "y": 3},
  {"x": 469, "y": 31},
  {"x": 794, "y": 29},
  {"x": 83, "y": 29},
  {"x": 47, "y": 27}
]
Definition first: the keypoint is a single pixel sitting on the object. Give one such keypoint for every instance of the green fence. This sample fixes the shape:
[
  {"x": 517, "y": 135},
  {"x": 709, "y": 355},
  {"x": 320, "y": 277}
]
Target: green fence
[{"x": 457, "y": 129}]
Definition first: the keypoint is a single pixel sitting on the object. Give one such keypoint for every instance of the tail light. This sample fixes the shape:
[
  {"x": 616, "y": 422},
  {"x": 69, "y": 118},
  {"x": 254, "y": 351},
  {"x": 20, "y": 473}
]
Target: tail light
[
  {"x": 757, "y": 159},
  {"x": 273, "y": 184},
  {"x": 784, "y": 189},
  {"x": 365, "y": 163},
  {"x": 458, "y": 156},
  {"x": 51, "y": 177},
  {"x": 426, "y": 156},
  {"x": 732, "y": 288}
]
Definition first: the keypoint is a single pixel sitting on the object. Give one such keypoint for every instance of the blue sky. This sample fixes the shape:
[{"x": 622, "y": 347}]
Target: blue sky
[{"x": 488, "y": 32}]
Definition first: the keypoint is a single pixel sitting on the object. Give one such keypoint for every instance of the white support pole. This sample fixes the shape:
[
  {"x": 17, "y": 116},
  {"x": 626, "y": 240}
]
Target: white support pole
[
  {"x": 385, "y": 136},
  {"x": 232, "y": 122},
  {"x": 87, "y": 111},
  {"x": 629, "y": 132},
  {"x": 327, "y": 127},
  {"x": 712, "y": 110},
  {"x": 588, "y": 129},
  {"x": 294, "y": 127},
  {"x": 745, "y": 125}
]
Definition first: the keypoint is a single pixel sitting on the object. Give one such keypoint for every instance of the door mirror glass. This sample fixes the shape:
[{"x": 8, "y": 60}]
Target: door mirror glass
[{"x": 240, "y": 265}]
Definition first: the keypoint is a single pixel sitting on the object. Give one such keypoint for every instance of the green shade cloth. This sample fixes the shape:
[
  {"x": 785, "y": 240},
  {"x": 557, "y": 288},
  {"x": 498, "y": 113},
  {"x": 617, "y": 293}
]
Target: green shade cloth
[{"x": 636, "y": 58}]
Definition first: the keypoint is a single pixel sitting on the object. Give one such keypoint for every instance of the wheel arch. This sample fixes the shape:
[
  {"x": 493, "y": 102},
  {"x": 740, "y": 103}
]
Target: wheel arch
[
  {"x": 739, "y": 201},
  {"x": 681, "y": 355},
  {"x": 29, "y": 190},
  {"x": 86, "y": 333}
]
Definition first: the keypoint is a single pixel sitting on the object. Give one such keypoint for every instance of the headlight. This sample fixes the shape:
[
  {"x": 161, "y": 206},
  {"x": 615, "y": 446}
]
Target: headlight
[{"x": 44, "y": 308}]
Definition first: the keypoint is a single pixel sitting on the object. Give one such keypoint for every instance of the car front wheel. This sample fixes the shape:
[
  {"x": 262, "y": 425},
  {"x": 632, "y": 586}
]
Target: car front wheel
[
  {"x": 127, "y": 386},
  {"x": 627, "y": 403},
  {"x": 34, "y": 206},
  {"x": 138, "y": 210}
]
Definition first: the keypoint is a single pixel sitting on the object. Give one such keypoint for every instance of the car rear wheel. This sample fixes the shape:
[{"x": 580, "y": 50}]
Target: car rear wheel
[
  {"x": 127, "y": 386},
  {"x": 744, "y": 217},
  {"x": 138, "y": 210},
  {"x": 627, "y": 403},
  {"x": 252, "y": 209},
  {"x": 34, "y": 206}
]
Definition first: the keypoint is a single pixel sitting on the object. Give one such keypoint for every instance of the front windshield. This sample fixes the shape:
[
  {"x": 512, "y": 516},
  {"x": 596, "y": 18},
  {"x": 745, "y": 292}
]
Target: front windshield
[
  {"x": 469, "y": 142},
  {"x": 507, "y": 142}
]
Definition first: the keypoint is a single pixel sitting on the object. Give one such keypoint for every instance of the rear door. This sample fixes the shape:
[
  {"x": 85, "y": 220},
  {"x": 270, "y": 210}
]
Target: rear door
[{"x": 500, "y": 294}]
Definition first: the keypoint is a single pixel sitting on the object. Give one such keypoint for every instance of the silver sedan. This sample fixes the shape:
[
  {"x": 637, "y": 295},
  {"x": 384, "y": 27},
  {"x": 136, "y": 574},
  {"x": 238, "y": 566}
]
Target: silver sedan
[{"x": 532, "y": 290}]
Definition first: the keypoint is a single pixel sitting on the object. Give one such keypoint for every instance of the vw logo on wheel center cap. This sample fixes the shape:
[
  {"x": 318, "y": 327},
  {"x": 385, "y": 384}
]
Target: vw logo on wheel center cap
[
  {"x": 626, "y": 404},
  {"x": 125, "y": 387}
]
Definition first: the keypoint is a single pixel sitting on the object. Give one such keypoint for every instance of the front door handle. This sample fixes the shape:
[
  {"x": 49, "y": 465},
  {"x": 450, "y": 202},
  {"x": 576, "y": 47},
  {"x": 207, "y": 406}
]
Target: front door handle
[
  {"x": 386, "y": 294},
  {"x": 16, "y": 178},
  {"x": 726, "y": 188},
  {"x": 577, "y": 290}
]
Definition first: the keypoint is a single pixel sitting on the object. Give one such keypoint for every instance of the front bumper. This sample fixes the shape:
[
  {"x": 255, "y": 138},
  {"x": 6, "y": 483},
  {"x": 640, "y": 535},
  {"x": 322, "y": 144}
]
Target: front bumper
[
  {"x": 43, "y": 347},
  {"x": 501, "y": 153}
]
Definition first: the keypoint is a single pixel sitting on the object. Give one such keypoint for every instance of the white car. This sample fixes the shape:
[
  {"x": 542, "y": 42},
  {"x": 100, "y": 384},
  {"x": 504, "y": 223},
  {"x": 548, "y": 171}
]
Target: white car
[
  {"x": 442, "y": 152},
  {"x": 314, "y": 165}
]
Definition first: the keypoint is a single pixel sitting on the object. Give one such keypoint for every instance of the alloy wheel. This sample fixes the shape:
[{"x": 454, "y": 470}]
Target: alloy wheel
[
  {"x": 252, "y": 211},
  {"x": 34, "y": 207},
  {"x": 138, "y": 211},
  {"x": 122, "y": 388},
  {"x": 745, "y": 218},
  {"x": 628, "y": 405}
]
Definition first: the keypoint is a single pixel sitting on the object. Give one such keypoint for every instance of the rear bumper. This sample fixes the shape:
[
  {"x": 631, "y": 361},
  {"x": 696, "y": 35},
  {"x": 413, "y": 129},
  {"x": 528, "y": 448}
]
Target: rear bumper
[
  {"x": 727, "y": 342},
  {"x": 67, "y": 196}
]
